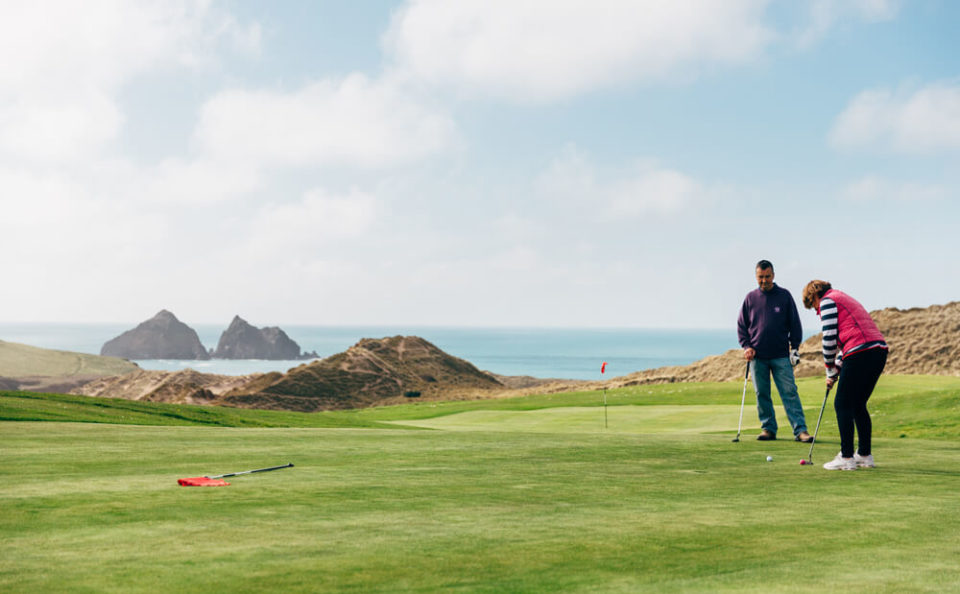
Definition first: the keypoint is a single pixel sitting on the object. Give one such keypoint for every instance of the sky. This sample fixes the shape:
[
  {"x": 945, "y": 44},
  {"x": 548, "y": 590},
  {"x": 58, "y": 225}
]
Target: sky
[{"x": 490, "y": 163}]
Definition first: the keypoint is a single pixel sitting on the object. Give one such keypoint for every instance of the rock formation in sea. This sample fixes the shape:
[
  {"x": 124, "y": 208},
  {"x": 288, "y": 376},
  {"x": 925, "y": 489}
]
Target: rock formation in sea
[
  {"x": 161, "y": 337},
  {"x": 243, "y": 341}
]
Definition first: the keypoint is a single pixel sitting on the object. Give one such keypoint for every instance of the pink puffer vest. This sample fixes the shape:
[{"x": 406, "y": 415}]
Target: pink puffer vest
[{"x": 854, "y": 325}]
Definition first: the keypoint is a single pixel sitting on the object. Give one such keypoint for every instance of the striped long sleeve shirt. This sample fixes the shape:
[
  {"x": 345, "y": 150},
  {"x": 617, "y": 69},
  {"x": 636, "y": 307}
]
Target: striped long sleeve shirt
[{"x": 828, "y": 317}]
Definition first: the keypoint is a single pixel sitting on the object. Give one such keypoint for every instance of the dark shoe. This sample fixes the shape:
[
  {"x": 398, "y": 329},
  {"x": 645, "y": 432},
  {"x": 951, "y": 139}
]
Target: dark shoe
[
  {"x": 804, "y": 437},
  {"x": 766, "y": 436}
]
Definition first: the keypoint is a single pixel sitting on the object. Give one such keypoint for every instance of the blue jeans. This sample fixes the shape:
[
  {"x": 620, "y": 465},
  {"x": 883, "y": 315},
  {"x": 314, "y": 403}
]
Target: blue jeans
[{"x": 782, "y": 371}]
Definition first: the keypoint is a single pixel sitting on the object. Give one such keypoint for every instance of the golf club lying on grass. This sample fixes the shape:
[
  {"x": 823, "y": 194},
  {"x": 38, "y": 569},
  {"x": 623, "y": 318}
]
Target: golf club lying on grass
[
  {"x": 809, "y": 458},
  {"x": 743, "y": 398},
  {"x": 217, "y": 481}
]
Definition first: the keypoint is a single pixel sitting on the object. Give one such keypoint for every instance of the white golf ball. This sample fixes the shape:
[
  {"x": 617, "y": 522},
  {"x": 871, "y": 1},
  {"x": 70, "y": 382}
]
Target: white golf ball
[{"x": 769, "y": 458}]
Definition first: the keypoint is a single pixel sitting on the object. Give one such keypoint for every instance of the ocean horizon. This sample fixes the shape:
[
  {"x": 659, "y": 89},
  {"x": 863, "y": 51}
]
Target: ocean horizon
[{"x": 566, "y": 353}]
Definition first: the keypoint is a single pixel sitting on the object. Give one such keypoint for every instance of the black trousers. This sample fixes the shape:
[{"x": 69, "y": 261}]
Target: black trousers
[{"x": 858, "y": 376}]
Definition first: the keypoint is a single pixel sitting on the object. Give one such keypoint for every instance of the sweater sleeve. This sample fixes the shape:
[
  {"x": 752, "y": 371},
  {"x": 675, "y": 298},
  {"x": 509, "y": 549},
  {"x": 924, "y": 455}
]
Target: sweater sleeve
[
  {"x": 828, "y": 317},
  {"x": 743, "y": 325},
  {"x": 796, "y": 329}
]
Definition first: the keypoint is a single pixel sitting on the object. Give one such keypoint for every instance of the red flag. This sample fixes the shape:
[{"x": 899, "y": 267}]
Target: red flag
[{"x": 603, "y": 367}]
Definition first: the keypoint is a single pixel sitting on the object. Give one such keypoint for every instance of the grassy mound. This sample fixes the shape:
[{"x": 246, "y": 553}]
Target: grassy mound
[
  {"x": 19, "y": 360},
  {"x": 528, "y": 494},
  {"x": 30, "y": 406}
]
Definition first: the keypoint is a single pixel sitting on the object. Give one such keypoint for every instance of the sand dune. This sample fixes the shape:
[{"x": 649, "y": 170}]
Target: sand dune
[{"x": 923, "y": 341}]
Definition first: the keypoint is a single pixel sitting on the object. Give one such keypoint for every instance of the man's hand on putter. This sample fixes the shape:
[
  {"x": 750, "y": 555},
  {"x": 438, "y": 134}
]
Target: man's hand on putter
[
  {"x": 749, "y": 354},
  {"x": 831, "y": 379}
]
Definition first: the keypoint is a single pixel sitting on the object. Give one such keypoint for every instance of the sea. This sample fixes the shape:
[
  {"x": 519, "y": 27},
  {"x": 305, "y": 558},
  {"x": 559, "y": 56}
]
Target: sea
[{"x": 565, "y": 353}]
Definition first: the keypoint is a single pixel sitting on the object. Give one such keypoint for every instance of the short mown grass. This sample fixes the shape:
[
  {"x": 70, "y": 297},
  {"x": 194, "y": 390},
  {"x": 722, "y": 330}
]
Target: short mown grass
[{"x": 530, "y": 499}]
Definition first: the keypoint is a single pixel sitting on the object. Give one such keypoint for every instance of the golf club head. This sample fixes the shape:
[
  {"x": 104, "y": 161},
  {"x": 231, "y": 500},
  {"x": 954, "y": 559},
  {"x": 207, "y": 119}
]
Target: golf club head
[{"x": 735, "y": 440}]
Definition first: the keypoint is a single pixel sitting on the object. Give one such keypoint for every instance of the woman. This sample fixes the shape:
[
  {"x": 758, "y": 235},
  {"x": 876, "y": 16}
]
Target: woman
[{"x": 850, "y": 332}]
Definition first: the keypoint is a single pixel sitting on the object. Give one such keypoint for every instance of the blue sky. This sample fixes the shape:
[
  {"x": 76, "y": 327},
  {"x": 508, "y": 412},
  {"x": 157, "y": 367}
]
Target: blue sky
[{"x": 474, "y": 163}]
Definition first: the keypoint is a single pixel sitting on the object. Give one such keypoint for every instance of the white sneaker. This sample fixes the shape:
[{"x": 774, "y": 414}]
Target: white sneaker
[
  {"x": 841, "y": 463},
  {"x": 864, "y": 461}
]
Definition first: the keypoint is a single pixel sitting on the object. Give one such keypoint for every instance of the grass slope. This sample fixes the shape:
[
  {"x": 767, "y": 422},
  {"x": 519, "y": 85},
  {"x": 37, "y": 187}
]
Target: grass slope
[
  {"x": 31, "y": 406},
  {"x": 530, "y": 501},
  {"x": 19, "y": 360}
]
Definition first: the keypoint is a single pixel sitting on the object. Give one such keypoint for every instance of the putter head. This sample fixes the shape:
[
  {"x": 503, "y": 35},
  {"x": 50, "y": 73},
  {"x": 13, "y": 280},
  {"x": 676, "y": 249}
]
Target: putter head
[{"x": 736, "y": 440}]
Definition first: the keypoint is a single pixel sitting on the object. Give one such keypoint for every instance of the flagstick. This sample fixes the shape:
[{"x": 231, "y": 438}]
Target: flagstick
[
  {"x": 603, "y": 369},
  {"x": 604, "y": 408}
]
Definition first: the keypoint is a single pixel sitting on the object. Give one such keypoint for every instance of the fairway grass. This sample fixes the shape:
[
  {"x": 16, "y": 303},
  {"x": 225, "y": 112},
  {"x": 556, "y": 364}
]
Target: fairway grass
[{"x": 490, "y": 496}]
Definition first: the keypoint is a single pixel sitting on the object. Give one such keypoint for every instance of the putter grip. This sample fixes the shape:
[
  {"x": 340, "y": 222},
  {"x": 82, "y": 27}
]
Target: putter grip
[{"x": 272, "y": 468}]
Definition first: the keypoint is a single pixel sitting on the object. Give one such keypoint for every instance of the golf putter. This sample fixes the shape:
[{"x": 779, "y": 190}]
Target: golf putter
[
  {"x": 743, "y": 399},
  {"x": 220, "y": 476},
  {"x": 816, "y": 432}
]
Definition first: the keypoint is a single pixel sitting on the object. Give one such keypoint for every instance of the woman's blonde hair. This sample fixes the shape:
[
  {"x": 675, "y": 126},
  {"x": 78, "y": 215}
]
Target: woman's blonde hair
[{"x": 814, "y": 290}]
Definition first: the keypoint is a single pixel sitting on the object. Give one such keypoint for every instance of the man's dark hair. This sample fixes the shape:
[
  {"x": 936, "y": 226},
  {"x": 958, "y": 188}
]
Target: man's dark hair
[{"x": 764, "y": 264}]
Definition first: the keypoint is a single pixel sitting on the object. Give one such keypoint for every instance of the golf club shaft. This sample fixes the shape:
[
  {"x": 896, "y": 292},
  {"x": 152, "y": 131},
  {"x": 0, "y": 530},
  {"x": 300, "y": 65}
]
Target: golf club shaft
[
  {"x": 817, "y": 431},
  {"x": 743, "y": 399},
  {"x": 249, "y": 471}
]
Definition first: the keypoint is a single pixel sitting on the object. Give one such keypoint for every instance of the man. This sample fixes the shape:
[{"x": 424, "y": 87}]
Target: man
[{"x": 769, "y": 331}]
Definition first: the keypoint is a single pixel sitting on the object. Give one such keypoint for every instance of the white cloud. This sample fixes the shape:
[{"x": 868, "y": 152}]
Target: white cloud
[
  {"x": 354, "y": 121},
  {"x": 66, "y": 61},
  {"x": 61, "y": 238},
  {"x": 314, "y": 223},
  {"x": 41, "y": 129},
  {"x": 645, "y": 189},
  {"x": 917, "y": 121},
  {"x": 823, "y": 15},
  {"x": 539, "y": 50},
  {"x": 652, "y": 189},
  {"x": 877, "y": 10},
  {"x": 79, "y": 213},
  {"x": 516, "y": 259},
  {"x": 570, "y": 176},
  {"x": 513, "y": 226},
  {"x": 877, "y": 189},
  {"x": 198, "y": 181}
]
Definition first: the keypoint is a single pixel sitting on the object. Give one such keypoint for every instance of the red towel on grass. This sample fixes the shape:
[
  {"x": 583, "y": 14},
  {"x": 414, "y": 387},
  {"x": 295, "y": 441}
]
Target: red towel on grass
[{"x": 202, "y": 481}]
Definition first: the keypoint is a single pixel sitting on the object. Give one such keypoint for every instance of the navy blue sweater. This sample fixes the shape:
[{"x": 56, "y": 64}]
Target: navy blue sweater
[{"x": 769, "y": 323}]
